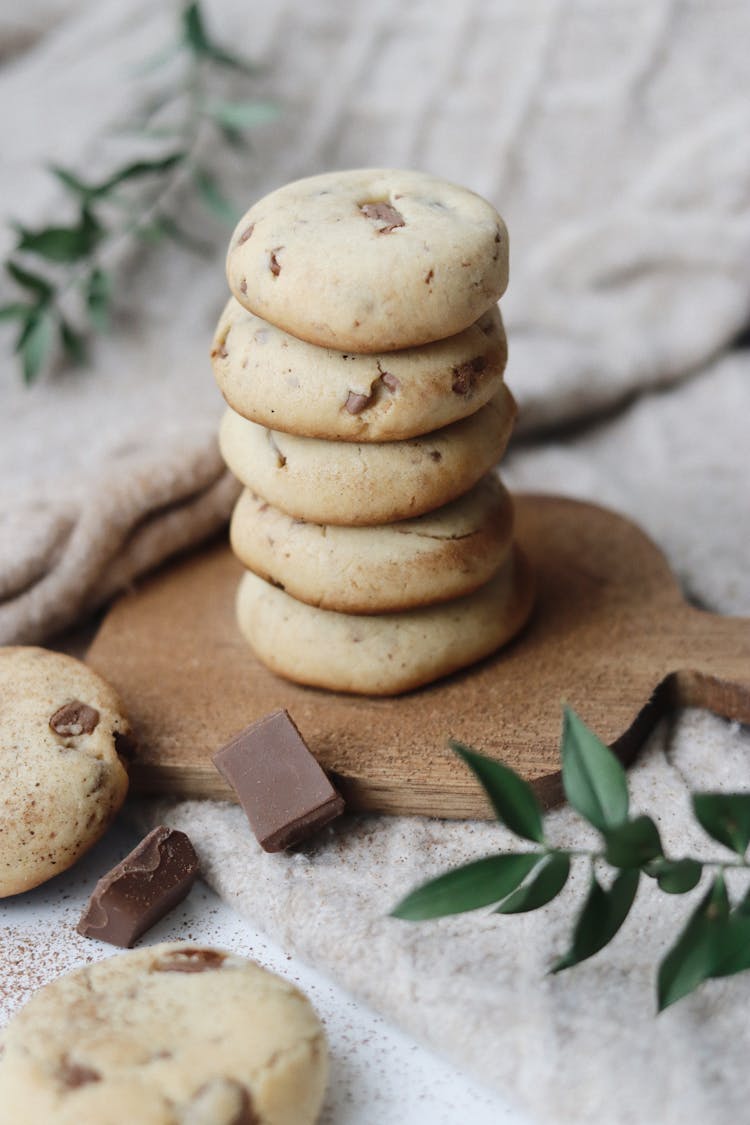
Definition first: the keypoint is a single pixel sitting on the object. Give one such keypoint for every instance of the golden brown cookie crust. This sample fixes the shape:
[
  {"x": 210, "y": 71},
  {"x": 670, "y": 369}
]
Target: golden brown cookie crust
[
  {"x": 390, "y": 653},
  {"x": 276, "y": 380},
  {"x": 367, "y": 484},
  {"x": 61, "y": 778},
  {"x": 369, "y": 260},
  {"x": 174, "y": 1032},
  {"x": 444, "y": 554}
]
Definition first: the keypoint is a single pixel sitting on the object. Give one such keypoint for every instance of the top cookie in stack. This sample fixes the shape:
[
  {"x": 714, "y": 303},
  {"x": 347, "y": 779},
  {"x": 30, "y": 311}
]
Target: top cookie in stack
[{"x": 362, "y": 358}]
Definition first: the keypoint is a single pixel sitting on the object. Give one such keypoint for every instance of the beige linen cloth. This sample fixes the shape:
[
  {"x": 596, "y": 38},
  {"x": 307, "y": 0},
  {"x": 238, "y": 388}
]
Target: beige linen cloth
[{"x": 615, "y": 139}]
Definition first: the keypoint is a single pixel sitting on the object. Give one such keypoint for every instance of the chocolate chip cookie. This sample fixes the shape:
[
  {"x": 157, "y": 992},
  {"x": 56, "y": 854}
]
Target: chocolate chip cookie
[
  {"x": 62, "y": 777},
  {"x": 176, "y": 1034},
  {"x": 279, "y": 381},
  {"x": 340, "y": 482},
  {"x": 369, "y": 260},
  {"x": 386, "y": 654},
  {"x": 444, "y": 554}
]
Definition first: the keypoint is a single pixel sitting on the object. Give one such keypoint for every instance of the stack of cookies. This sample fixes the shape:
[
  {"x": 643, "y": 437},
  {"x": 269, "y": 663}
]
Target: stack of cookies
[{"x": 362, "y": 358}]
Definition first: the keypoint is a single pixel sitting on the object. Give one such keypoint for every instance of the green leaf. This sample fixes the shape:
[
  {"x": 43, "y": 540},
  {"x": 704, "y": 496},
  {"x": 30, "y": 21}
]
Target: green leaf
[
  {"x": 603, "y": 912},
  {"x": 732, "y": 947},
  {"x": 675, "y": 876},
  {"x": 139, "y": 168},
  {"x": 196, "y": 37},
  {"x": 27, "y": 280},
  {"x": 546, "y": 882},
  {"x": 194, "y": 29},
  {"x": 593, "y": 778},
  {"x": 97, "y": 292},
  {"x": 214, "y": 198},
  {"x": 512, "y": 798},
  {"x": 73, "y": 342},
  {"x": 74, "y": 185},
  {"x": 16, "y": 310},
  {"x": 240, "y": 115},
  {"x": 695, "y": 955},
  {"x": 633, "y": 843},
  {"x": 62, "y": 244},
  {"x": 467, "y": 888},
  {"x": 725, "y": 817},
  {"x": 34, "y": 345}
]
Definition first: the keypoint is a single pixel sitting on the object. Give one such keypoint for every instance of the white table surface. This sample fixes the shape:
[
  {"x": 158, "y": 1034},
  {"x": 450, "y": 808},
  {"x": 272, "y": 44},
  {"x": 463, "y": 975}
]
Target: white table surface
[{"x": 378, "y": 1075}]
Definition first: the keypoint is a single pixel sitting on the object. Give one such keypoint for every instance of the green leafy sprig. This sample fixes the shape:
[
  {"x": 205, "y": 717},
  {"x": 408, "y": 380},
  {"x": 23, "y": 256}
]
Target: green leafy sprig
[
  {"x": 715, "y": 941},
  {"x": 64, "y": 272}
]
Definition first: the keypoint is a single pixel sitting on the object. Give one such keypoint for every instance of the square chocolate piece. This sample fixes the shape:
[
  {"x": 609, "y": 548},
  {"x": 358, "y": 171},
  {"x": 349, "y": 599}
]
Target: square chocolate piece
[{"x": 284, "y": 792}]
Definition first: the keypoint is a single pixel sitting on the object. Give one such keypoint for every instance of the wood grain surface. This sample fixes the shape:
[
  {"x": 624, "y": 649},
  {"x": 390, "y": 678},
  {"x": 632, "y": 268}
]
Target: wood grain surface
[{"x": 610, "y": 634}]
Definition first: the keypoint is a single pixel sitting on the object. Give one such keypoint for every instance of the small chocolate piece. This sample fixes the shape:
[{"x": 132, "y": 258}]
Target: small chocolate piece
[
  {"x": 189, "y": 961},
  {"x": 141, "y": 889},
  {"x": 247, "y": 232},
  {"x": 274, "y": 264},
  {"x": 356, "y": 402},
  {"x": 465, "y": 376},
  {"x": 284, "y": 792},
  {"x": 73, "y": 1074},
  {"x": 74, "y": 718},
  {"x": 384, "y": 213},
  {"x": 389, "y": 381}
]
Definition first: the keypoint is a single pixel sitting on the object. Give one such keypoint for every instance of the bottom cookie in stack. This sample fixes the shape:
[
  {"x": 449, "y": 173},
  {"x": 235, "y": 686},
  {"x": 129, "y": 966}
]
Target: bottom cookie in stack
[{"x": 381, "y": 610}]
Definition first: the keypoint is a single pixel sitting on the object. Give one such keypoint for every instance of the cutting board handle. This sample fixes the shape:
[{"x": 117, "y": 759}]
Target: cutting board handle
[{"x": 713, "y": 665}]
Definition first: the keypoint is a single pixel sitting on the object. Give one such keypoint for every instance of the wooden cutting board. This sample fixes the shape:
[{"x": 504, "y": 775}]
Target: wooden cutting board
[{"x": 610, "y": 634}]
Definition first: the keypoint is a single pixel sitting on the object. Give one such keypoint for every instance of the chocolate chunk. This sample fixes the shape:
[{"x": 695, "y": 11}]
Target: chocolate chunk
[
  {"x": 356, "y": 402},
  {"x": 246, "y": 234},
  {"x": 390, "y": 381},
  {"x": 73, "y": 1074},
  {"x": 429, "y": 276},
  {"x": 141, "y": 889},
  {"x": 465, "y": 376},
  {"x": 243, "y": 286},
  {"x": 74, "y": 718},
  {"x": 195, "y": 960},
  {"x": 273, "y": 263},
  {"x": 284, "y": 792},
  {"x": 383, "y": 213}
]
